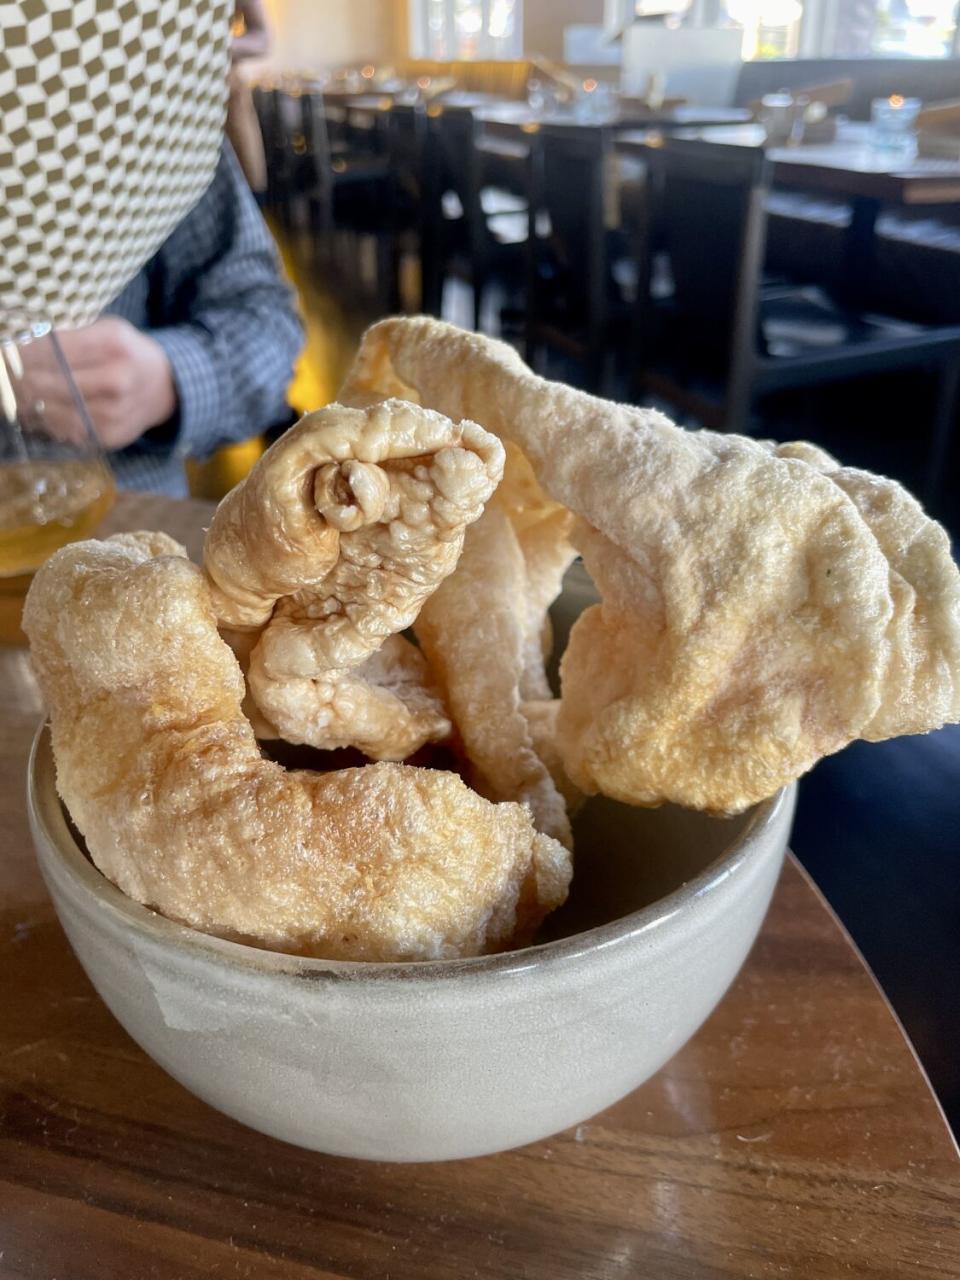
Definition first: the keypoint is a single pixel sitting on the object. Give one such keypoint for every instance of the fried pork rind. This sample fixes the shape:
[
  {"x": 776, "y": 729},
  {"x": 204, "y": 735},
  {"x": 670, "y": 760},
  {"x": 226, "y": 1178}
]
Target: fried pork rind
[
  {"x": 485, "y": 632},
  {"x": 481, "y": 633},
  {"x": 761, "y": 605},
  {"x": 541, "y": 528},
  {"x": 331, "y": 545},
  {"x": 162, "y": 775}
]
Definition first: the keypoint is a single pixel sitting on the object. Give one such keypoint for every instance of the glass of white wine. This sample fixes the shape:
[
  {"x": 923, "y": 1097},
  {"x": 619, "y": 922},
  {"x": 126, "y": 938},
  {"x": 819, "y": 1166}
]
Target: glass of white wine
[{"x": 55, "y": 484}]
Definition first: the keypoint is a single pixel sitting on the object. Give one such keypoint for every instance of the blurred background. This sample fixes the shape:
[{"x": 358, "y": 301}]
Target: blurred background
[{"x": 745, "y": 212}]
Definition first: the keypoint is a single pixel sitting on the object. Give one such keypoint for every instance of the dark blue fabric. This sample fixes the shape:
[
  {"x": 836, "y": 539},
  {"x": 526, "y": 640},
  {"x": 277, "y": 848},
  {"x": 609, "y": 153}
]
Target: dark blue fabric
[{"x": 214, "y": 298}]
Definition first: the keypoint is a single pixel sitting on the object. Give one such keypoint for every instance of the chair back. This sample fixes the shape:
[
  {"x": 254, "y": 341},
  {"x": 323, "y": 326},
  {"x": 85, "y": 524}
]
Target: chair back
[
  {"x": 709, "y": 213},
  {"x": 405, "y": 131},
  {"x": 568, "y": 175},
  {"x": 279, "y": 113},
  {"x": 315, "y": 130},
  {"x": 453, "y": 164},
  {"x": 336, "y": 123},
  {"x": 452, "y": 135}
]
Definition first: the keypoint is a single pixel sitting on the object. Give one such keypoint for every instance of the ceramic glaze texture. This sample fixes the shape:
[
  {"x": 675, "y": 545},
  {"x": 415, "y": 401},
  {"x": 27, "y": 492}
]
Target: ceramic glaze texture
[{"x": 447, "y": 1059}]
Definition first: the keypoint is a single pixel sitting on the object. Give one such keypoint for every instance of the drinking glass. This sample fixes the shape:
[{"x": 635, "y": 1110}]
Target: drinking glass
[
  {"x": 893, "y": 122},
  {"x": 782, "y": 116},
  {"x": 55, "y": 484},
  {"x": 535, "y": 96},
  {"x": 594, "y": 102}
]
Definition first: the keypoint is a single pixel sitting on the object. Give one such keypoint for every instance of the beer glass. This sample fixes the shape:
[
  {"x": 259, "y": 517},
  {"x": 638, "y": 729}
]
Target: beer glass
[{"x": 55, "y": 484}]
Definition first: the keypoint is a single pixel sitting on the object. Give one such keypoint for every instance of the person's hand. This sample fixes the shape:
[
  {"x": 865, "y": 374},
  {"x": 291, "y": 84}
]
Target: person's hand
[{"x": 123, "y": 375}]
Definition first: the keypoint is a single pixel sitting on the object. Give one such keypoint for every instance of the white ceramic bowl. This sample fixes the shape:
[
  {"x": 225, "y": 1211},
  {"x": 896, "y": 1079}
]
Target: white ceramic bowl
[{"x": 437, "y": 1060}]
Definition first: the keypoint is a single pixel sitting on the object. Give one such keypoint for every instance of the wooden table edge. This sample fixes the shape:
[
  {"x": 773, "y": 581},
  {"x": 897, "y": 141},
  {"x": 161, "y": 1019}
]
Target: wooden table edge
[{"x": 878, "y": 986}]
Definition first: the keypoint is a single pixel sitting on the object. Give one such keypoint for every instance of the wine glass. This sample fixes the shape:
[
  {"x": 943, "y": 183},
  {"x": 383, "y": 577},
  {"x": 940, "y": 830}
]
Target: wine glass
[{"x": 55, "y": 484}]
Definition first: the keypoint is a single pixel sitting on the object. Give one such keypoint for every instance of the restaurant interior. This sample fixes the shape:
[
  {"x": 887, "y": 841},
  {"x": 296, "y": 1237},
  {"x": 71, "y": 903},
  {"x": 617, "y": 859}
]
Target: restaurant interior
[
  {"x": 746, "y": 214},
  {"x": 742, "y": 213}
]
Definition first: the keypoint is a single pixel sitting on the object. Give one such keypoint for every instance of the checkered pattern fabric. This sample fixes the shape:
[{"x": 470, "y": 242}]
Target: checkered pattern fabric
[{"x": 112, "y": 113}]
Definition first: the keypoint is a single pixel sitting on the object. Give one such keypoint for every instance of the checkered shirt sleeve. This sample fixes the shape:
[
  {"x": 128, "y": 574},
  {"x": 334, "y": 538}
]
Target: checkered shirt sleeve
[{"x": 213, "y": 297}]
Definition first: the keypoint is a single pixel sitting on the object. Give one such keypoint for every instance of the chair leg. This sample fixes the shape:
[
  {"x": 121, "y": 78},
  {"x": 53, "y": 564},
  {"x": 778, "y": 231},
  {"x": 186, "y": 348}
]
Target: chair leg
[
  {"x": 395, "y": 279},
  {"x": 738, "y": 402},
  {"x": 595, "y": 366},
  {"x": 944, "y": 425},
  {"x": 385, "y": 283},
  {"x": 431, "y": 276},
  {"x": 479, "y": 289},
  {"x": 319, "y": 243}
]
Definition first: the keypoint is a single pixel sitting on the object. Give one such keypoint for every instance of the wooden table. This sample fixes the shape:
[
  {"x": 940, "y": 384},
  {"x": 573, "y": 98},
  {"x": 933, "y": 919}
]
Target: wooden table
[
  {"x": 522, "y": 118},
  {"x": 508, "y": 129},
  {"x": 794, "y": 1136},
  {"x": 849, "y": 167}
]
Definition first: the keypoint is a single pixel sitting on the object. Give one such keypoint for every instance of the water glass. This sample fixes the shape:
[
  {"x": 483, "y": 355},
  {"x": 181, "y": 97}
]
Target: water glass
[
  {"x": 892, "y": 122},
  {"x": 55, "y": 484}
]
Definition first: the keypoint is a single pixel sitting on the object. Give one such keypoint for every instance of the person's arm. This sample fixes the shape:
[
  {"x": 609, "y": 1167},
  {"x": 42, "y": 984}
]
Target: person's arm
[
  {"x": 215, "y": 359},
  {"x": 254, "y": 42},
  {"x": 227, "y": 322}
]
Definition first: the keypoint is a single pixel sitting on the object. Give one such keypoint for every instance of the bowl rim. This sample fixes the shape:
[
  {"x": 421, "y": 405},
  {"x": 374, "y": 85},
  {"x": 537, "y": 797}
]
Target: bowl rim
[{"x": 47, "y": 815}]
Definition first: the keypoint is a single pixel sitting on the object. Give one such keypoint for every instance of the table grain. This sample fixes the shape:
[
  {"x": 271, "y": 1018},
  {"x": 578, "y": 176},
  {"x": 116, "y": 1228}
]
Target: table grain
[{"x": 794, "y": 1136}]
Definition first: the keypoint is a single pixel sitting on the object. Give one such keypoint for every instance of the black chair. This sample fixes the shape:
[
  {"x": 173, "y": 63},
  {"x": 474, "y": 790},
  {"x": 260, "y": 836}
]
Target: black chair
[
  {"x": 363, "y": 127},
  {"x": 368, "y": 179},
  {"x": 917, "y": 254},
  {"x": 336, "y": 120},
  {"x": 573, "y": 297},
  {"x": 472, "y": 229},
  {"x": 278, "y": 112},
  {"x": 724, "y": 337},
  {"x": 404, "y": 130},
  {"x": 503, "y": 153},
  {"x": 345, "y": 192}
]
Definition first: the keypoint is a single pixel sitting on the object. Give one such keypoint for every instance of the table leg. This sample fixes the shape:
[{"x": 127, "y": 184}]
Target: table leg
[
  {"x": 944, "y": 424},
  {"x": 860, "y": 247}
]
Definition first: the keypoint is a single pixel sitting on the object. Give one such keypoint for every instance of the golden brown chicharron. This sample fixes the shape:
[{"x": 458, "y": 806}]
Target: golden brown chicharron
[
  {"x": 482, "y": 640},
  {"x": 327, "y": 551},
  {"x": 162, "y": 774},
  {"x": 762, "y": 606}
]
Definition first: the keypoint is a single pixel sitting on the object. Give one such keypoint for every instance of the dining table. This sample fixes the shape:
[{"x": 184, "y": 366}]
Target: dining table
[
  {"x": 849, "y": 166},
  {"x": 795, "y": 1135},
  {"x": 348, "y": 94},
  {"x": 507, "y": 131},
  {"x": 519, "y": 117}
]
